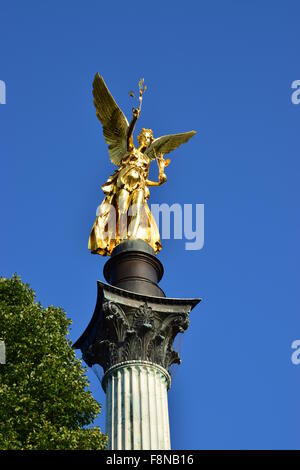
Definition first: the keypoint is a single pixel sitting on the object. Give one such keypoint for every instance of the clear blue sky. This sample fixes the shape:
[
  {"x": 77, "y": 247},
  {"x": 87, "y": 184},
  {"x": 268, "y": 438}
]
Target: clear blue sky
[{"x": 224, "y": 68}]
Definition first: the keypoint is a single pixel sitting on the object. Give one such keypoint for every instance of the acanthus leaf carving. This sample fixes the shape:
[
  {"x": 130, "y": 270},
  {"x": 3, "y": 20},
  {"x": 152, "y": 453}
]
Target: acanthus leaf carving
[{"x": 140, "y": 333}]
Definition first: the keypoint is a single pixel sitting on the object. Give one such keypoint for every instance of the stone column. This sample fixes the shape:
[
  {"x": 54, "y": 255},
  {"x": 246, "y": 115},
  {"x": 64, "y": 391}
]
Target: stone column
[
  {"x": 137, "y": 414},
  {"x": 131, "y": 336}
]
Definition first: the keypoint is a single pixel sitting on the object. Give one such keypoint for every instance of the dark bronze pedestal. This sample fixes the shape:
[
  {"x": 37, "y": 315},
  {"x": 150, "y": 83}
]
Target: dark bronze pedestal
[
  {"x": 133, "y": 266},
  {"x": 133, "y": 319}
]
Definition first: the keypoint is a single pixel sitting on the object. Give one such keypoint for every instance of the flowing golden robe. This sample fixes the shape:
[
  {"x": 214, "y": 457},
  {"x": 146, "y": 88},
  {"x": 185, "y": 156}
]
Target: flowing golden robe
[{"x": 124, "y": 212}]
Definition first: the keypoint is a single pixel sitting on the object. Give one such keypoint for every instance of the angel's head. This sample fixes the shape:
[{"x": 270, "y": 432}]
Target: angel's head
[{"x": 145, "y": 137}]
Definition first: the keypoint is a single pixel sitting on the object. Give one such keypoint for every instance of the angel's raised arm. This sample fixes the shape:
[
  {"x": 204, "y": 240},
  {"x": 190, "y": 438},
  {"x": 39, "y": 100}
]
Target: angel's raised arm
[{"x": 135, "y": 116}]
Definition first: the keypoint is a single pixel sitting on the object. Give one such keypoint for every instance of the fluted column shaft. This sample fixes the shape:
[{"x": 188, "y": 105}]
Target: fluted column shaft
[{"x": 137, "y": 416}]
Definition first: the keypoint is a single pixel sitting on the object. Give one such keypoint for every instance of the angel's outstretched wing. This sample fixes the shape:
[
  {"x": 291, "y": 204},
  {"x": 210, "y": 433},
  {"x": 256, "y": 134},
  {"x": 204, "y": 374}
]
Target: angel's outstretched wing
[
  {"x": 114, "y": 122},
  {"x": 167, "y": 143}
]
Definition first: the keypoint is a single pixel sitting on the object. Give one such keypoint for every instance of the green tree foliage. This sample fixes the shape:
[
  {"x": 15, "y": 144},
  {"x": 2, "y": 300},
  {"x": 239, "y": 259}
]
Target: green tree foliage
[{"x": 45, "y": 401}]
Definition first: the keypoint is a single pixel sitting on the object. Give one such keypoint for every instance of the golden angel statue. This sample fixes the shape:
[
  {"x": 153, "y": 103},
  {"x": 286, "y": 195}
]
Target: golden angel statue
[{"x": 124, "y": 212}]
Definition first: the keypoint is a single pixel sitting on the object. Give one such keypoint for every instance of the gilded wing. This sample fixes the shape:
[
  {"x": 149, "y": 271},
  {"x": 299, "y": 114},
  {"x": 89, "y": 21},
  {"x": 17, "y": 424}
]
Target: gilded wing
[
  {"x": 114, "y": 122},
  {"x": 167, "y": 143}
]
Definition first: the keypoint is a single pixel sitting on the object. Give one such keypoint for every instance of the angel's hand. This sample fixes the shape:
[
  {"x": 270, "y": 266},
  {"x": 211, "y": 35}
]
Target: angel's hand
[
  {"x": 163, "y": 178},
  {"x": 136, "y": 112}
]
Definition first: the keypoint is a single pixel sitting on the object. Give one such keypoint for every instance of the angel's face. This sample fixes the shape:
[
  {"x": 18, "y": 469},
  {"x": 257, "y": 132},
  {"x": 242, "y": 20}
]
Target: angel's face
[{"x": 145, "y": 137}]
